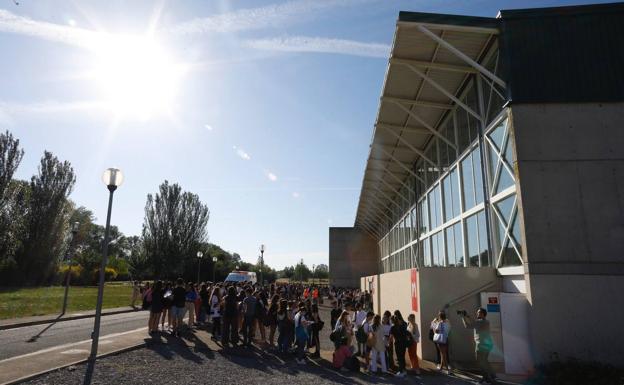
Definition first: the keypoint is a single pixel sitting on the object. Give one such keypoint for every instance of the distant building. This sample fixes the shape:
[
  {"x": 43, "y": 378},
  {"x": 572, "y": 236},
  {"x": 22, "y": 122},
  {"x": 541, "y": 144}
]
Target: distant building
[{"x": 495, "y": 178}]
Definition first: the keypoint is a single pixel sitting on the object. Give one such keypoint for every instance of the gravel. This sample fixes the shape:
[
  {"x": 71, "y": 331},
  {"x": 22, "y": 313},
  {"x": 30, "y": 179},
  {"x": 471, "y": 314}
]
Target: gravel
[{"x": 168, "y": 360}]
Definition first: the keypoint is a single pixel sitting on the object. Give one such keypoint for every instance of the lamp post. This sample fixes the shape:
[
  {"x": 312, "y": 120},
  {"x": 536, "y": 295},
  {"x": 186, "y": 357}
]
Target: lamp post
[
  {"x": 262, "y": 248},
  {"x": 112, "y": 178},
  {"x": 313, "y": 270},
  {"x": 200, "y": 255},
  {"x": 74, "y": 231},
  {"x": 214, "y": 268}
]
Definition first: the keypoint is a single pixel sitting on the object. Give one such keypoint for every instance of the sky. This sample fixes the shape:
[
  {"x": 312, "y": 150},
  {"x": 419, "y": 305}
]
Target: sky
[{"x": 265, "y": 109}]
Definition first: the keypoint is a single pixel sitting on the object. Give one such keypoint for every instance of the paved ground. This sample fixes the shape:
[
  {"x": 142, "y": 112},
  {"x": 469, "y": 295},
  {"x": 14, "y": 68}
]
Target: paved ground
[
  {"x": 193, "y": 360},
  {"x": 15, "y": 342},
  {"x": 196, "y": 359}
]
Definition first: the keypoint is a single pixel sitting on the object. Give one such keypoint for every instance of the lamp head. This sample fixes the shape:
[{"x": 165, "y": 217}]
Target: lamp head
[
  {"x": 200, "y": 254},
  {"x": 214, "y": 259},
  {"x": 262, "y": 248},
  {"x": 112, "y": 178}
]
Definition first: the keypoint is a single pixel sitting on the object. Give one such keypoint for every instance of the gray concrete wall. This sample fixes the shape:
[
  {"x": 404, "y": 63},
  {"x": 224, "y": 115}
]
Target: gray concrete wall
[
  {"x": 570, "y": 169},
  {"x": 352, "y": 254},
  {"x": 441, "y": 286}
]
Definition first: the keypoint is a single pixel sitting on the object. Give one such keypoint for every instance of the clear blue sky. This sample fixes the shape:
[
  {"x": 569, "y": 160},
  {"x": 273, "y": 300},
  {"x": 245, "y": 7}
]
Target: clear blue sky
[{"x": 268, "y": 115}]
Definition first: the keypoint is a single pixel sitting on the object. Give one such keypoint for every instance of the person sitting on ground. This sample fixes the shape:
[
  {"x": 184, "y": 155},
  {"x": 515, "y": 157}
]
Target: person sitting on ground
[{"x": 341, "y": 354}]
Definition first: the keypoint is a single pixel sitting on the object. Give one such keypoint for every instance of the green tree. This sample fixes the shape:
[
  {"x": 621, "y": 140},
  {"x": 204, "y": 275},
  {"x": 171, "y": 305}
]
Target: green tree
[
  {"x": 173, "y": 229},
  {"x": 302, "y": 272},
  {"x": 321, "y": 271},
  {"x": 13, "y": 203},
  {"x": 47, "y": 220}
]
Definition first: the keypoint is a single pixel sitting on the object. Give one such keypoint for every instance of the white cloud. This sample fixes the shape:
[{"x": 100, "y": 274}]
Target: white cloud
[
  {"x": 208, "y": 127},
  {"x": 10, "y": 22},
  {"x": 241, "y": 153},
  {"x": 295, "y": 195},
  {"x": 258, "y": 18},
  {"x": 272, "y": 177},
  {"x": 321, "y": 45}
]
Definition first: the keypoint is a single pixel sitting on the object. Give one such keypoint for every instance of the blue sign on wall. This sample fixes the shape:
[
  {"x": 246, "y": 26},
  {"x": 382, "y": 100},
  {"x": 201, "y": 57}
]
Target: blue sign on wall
[{"x": 491, "y": 308}]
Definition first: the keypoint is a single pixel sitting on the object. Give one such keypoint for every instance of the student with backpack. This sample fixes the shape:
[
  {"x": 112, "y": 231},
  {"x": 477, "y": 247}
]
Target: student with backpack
[{"x": 301, "y": 334}]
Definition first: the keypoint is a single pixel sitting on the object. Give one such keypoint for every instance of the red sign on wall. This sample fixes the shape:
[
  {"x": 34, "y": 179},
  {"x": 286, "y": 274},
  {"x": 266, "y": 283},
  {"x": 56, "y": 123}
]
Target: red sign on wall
[{"x": 414, "y": 290}]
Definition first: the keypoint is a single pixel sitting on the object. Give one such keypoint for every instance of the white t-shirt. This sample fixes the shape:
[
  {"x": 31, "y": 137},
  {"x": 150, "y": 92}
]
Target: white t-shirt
[{"x": 214, "y": 307}]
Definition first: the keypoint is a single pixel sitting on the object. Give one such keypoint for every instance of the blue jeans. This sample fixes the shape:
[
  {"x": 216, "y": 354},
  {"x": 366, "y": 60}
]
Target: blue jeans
[
  {"x": 247, "y": 329},
  {"x": 301, "y": 342}
]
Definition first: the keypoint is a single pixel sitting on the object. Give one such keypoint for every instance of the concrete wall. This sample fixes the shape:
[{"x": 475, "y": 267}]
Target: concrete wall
[
  {"x": 570, "y": 168},
  {"x": 352, "y": 254},
  {"x": 437, "y": 287},
  {"x": 441, "y": 286}
]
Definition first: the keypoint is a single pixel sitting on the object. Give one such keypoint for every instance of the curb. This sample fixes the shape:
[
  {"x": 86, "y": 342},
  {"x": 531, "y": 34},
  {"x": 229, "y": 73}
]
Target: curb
[
  {"x": 63, "y": 319},
  {"x": 38, "y": 374}
]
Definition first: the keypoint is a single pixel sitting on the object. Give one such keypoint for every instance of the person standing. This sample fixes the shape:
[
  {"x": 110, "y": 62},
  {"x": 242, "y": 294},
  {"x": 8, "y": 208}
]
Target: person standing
[
  {"x": 301, "y": 334},
  {"x": 191, "y": 297},
  {"x": 156, "y": 308},
  {"x": 398, "y": 335},
  {"x": 136, "y": 293},
  {"x": 178, "y": 306},
  {"x": 412, "y": 350},
  {"x": 230, "y": 317},
  {"x": 215, "y": 312},
  {"x": 483, "y": 343},
  {"x": 386, "y": 325},
  {"x": 249, "y": 315},
  {"x": 272, "y": 318},
  {"x": 440, "y": 337},
  {"x": 378, "y": 351},
  {"x": 315, "y": 328}
]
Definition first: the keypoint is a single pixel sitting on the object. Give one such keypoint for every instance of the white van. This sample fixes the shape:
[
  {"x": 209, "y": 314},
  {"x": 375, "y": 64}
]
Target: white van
[{"x": 242, "y": 276}]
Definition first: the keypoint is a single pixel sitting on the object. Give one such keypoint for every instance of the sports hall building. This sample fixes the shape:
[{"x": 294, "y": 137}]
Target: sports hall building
[{"x": 495, "y": 178}]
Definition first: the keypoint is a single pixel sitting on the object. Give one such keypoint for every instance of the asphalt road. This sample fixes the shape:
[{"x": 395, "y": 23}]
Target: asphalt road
[{"x": 15, "y": 342}]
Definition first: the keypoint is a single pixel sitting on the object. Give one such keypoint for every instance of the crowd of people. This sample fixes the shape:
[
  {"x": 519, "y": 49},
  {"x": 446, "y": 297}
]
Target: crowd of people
[{"x": 286, "y": 318}]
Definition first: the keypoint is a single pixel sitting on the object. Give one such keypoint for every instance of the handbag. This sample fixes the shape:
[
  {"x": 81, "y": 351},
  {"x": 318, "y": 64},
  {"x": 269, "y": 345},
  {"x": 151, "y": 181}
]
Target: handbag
[
  {"x": 370, "y": 341},
  {"x": 360, "y": 335}
]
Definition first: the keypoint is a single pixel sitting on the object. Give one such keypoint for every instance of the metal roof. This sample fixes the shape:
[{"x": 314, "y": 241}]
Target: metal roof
[{"x": 432, "y": 57}]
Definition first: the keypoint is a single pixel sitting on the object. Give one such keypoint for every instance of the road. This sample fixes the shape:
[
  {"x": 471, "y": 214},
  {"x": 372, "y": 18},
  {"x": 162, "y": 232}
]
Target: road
[{"x": 29, "y": 339}]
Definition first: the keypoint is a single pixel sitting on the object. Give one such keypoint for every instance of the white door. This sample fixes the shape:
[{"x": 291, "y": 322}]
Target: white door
[{"x": 515, "y": 325}]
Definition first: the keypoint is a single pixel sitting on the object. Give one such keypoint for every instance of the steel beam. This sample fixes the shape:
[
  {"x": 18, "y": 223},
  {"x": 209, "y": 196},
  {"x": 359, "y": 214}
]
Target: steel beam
[
  {"x": 434, "y": 65},
  {"x": 420, "y": 103},
  {"x": 461, "y": 55},
  {"x": 416, "y": 150},
  {"x": 415, "y": 130},
  {"x": 427, "y": 125},
  {"x": 451, "y": 27},
  {"x": 404, "y": 167}
]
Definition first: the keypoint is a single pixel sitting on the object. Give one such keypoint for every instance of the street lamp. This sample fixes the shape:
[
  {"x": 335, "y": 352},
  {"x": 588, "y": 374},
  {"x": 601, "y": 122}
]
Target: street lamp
[
  {"x": 262, "y": 248},
  {"x": 74, "y": 231},
  {"x": 214, "y": 268},
  {"x": 112, "y": 178},
  {"x": 200, "y": 255},
  {"x": 313, "y": 270}
]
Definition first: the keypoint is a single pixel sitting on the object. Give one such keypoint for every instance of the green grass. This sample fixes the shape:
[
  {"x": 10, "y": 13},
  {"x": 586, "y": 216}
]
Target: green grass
[{"x": 25, "y": 302}]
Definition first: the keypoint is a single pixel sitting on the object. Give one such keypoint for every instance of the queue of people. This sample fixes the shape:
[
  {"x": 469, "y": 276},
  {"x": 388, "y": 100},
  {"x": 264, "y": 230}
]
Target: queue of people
[{"x": 287, "y": 319}]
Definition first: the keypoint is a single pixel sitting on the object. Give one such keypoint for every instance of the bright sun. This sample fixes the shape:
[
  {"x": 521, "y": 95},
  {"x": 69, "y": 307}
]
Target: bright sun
[{"x": 136, "y": 75}]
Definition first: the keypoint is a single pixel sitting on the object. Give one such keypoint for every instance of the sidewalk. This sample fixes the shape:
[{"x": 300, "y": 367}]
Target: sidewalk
[
  {"x": 20, "y": 368},
  {"x": 52, "y": 318}
]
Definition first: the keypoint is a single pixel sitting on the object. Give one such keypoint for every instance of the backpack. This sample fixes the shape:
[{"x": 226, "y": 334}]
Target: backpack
[{"x": 360, "y": 335}]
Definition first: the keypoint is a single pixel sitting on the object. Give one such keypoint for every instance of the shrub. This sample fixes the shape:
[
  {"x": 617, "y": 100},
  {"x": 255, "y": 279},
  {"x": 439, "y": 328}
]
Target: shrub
[
  {"x": 109, "y": 274},
  {"x": 76, "y": 272},
  {"x": 576, "y": 372}
]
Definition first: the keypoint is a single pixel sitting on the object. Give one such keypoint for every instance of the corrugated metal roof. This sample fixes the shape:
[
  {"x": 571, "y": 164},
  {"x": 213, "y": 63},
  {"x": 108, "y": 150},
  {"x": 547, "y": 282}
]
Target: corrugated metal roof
[{"x": 410, "y": 107}]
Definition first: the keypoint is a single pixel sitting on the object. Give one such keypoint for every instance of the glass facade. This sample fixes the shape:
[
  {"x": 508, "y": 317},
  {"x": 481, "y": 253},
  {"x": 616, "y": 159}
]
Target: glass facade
[{"x": 447, "y": 222}]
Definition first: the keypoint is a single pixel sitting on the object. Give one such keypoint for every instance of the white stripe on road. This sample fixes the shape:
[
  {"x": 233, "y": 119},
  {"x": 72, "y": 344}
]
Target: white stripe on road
[{"x": 69, "y": 345}]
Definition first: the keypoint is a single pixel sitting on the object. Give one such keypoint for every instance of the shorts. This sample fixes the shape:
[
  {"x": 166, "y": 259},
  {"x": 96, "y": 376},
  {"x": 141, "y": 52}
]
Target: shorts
[{"x": 178, "y": 312}]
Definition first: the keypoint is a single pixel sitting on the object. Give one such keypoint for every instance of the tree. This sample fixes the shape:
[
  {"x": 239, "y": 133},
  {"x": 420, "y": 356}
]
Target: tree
[
  {"x": 174, "y": 227},
  {"x": 47, "y": 220},
  {"x": 321, "y": 271},
  {"x": 13, "y": 203},
  {"x": 302, "y": 272}
]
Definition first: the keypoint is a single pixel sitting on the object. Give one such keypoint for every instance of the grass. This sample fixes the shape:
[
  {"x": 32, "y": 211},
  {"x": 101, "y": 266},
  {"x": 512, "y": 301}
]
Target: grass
[{"x": 26, "y": 302}]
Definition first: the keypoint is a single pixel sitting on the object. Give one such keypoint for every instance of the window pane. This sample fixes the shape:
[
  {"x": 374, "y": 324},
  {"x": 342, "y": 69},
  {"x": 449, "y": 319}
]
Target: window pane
[
  {"x": 426, "y": 252},
  {"x": 459, "y": 246},
  {"x": 478, "y": 177},
  {"x": 468, "y": 193},
  {"x": 483, "y": 244},
  {"x": 473, "y": 240},
  {"x": 424, "y": 216},
  {"x": 450, "y": 246}
]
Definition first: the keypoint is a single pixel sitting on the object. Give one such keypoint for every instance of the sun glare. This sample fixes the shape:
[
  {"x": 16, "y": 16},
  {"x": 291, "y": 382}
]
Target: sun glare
[{"x": 137, "y": 77}]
